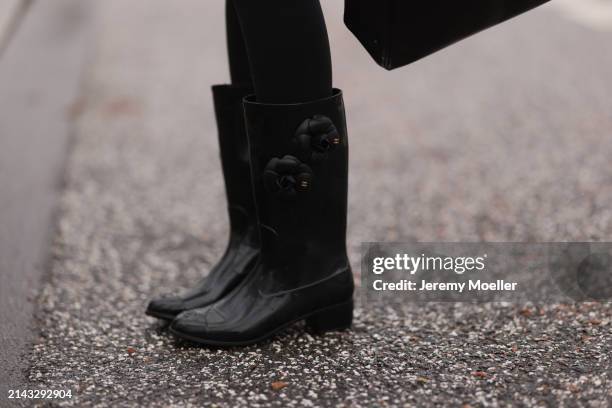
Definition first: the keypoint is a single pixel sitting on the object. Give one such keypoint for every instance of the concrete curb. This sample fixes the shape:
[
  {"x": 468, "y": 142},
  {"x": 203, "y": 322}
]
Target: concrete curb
[{"x": 39, "y": 81}]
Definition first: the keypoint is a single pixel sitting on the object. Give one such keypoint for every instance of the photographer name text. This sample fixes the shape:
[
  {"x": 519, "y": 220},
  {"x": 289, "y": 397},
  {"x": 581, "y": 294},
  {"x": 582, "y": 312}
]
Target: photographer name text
[{"x": 477, "y": 285}]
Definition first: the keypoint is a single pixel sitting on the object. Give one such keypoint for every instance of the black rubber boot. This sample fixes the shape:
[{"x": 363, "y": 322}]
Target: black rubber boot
[
  {"x": 243, "y": 248},
  {"x": 299, "y": 160}
]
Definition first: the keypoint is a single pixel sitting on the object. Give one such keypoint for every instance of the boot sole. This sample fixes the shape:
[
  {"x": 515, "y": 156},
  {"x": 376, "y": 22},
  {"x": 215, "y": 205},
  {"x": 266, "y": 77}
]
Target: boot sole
[
  {"x": 159, "y": 315},
  {"x": 331, "y": 318}
]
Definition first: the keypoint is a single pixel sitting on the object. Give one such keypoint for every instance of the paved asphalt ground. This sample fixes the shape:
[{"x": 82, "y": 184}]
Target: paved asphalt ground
[{"x": 504, "y": 137}]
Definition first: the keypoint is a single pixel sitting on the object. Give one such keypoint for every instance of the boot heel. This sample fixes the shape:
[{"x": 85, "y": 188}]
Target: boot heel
[{"x": 333, "y": 318}]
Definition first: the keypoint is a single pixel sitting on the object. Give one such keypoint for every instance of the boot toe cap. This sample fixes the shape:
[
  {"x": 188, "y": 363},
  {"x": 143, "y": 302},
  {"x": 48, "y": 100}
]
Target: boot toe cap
[
  {"x": 167, "y": 307},
  {"x": 205, "y": 325},
  {"x": 190, "y": 323}
]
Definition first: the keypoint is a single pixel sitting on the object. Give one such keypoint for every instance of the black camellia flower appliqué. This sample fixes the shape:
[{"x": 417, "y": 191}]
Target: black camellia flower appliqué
[
  {"x": 287, "y": 177},
  {"x": 315, "y": 138}
]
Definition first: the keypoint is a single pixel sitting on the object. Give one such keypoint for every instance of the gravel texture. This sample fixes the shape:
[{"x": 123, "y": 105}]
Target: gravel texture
[{"x": 500, "y": 138}]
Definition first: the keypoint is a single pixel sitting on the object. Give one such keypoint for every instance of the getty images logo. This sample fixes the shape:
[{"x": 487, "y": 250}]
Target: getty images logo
[{"x": 414, "y": 264}]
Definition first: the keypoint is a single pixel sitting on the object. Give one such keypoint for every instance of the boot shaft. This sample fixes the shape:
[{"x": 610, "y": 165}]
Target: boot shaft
[
  {"x": 299, "y": 162},
  {"x": 235, "y": 162}
]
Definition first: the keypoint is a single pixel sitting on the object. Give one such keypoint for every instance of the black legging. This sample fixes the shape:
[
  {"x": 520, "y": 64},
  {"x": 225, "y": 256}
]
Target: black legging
[{"x": 281, "y": 47}]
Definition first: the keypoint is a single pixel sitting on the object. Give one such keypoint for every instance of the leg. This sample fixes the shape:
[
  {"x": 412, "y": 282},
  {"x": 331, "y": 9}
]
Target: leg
[
  {"x": 298, "y": 151},
  {"x": 288, "y": 49},
  {"x": 240, "y": 71}
]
